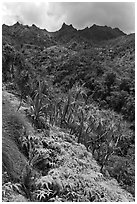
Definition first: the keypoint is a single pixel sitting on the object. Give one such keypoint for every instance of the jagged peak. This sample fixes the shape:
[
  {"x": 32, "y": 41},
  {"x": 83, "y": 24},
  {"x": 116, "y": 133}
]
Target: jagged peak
[
  {"x": 65, "y": 26},
  {"x": 94, "y": 25},
  {"x": 33, "y": 25},
  {"x": 17, "y": 24}
]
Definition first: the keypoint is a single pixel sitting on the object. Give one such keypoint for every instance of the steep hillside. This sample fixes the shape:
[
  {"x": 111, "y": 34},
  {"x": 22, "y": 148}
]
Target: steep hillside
[
  {"x": 68, "y": 114},
  {"x": 19, "y": 34},
  {"x": 94, "y": 34},
  {"x": 99, "y": 33},
  {"x": 65, "y": 170}
]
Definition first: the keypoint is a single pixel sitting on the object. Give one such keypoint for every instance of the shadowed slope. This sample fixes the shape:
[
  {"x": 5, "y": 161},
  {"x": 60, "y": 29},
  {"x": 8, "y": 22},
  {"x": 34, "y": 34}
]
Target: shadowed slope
[{"x": 13, "y": 160}]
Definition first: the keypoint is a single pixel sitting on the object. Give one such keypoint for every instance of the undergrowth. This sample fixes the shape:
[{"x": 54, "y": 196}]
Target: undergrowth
[{"x": 102, "y": 132}]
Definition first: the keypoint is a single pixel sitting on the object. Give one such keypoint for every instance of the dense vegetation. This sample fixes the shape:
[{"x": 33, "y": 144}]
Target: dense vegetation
[{"x": 87, "y": 90}]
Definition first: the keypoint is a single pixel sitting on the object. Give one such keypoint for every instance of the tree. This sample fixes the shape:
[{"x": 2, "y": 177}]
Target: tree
[{"x": 8, "y": 59}]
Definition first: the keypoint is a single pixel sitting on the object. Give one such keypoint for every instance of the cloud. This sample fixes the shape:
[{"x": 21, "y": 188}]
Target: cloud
[
  {"x": 27, "y": 13},
  {"x": 112, "y": 14},
  {"x": 80, "y": 14}
]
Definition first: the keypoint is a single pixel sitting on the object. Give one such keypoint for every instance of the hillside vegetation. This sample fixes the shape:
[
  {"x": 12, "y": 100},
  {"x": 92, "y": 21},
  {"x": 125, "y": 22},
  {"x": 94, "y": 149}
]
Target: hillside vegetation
[{"x": 68, "y": 114}]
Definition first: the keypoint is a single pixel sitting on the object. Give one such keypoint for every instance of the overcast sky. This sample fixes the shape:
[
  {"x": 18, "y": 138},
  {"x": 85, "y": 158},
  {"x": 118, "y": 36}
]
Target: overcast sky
[{"x": 80, "y": 14}]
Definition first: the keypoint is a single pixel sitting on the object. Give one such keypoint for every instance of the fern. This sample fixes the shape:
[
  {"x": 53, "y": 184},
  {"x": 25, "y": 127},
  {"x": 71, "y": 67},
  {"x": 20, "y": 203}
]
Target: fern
[{"x": 42, "y": 195}]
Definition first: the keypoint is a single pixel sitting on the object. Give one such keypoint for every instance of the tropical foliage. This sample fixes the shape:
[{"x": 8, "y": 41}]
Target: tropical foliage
[{"x": 63, "y": 93}]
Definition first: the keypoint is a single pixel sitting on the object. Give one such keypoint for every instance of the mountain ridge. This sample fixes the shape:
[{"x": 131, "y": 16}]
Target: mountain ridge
[{"x": 94, "y": 34}]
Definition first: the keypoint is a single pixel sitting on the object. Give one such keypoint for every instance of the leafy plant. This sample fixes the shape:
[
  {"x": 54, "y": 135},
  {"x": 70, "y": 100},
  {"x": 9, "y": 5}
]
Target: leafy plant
[
  {"x": 38, "y": 106},
  {"x": 47, "y": 188}
]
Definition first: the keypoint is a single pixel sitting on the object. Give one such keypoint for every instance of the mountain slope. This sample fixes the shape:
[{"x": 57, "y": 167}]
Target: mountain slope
[
  {"x": 74, "y": 173},
  {"x": 99, "y": 33},
  {"x": 21, "y": 34},
  {"x": 75, "y": 128},
  {"x": 94, "y": 34}
]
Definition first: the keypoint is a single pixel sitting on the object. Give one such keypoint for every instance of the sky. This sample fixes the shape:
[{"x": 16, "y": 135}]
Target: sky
[{"x": 51, "y": 15}]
